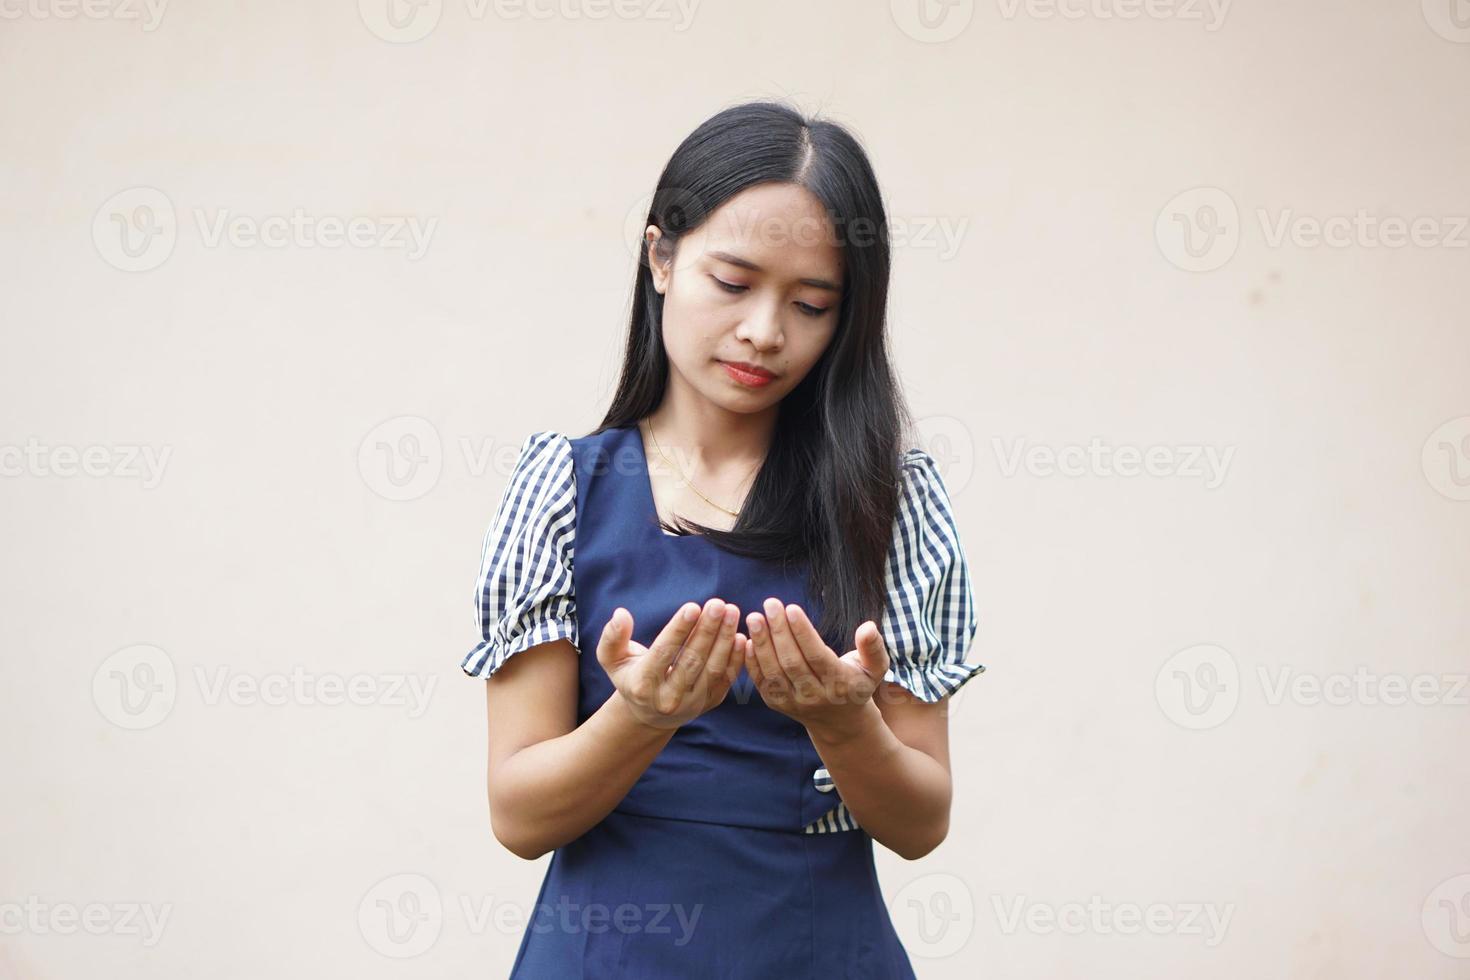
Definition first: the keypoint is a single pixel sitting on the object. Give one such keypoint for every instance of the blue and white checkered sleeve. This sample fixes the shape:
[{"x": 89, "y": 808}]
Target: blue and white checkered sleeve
[
  {"x": 523, "y": 593},
  {"x": 929, "y": 621}
]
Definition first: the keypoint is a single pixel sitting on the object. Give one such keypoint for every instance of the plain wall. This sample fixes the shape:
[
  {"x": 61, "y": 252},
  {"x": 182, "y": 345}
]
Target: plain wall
[{"x": 1149, "y": 744}]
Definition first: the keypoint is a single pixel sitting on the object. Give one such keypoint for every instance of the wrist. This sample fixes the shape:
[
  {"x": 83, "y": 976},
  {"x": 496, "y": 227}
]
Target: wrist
[
  {"x": 852, "y": 726},
  {"x": 637, "y": 727}
]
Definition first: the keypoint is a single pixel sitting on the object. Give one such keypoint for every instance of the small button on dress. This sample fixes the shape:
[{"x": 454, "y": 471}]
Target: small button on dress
[{"x": 733, "y": 856}]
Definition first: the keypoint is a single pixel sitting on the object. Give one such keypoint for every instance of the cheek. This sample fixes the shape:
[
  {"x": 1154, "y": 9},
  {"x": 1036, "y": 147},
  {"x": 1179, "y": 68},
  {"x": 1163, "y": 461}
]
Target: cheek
[
  {"x": 692, "y": 324},
  {"x": 809, "y": 346}
]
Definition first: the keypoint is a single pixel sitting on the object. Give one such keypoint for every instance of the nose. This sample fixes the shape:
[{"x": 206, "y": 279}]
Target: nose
[{"x": 762, "y": 327}]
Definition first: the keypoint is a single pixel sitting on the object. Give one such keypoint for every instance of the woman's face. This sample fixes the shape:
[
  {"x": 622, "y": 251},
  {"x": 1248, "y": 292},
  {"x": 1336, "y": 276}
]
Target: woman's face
[{"x": 751, "y": 296}]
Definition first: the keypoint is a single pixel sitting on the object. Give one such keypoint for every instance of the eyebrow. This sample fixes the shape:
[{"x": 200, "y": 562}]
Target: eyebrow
[{"x": 747, "y": 264}]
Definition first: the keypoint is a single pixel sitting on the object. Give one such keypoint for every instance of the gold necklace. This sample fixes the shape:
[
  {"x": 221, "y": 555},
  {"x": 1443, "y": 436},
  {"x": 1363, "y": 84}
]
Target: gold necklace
[{"x": 684, "y": 479}]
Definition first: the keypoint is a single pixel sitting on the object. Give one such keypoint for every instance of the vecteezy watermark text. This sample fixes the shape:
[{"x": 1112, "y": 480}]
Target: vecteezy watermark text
[
  {"x": 148, "y": 12},
  {"x": 41, "y": 918},
  {"x": 1200, "y": 687},
  {"x": 1096, "y": 458},
  {"x": 137, "y": 229},
  {"x": 129, "y": 462},
  {"x": 1099, "y": 917},
  {"x": 137, "y": 687},
  {"x": 403, "y": 915}
]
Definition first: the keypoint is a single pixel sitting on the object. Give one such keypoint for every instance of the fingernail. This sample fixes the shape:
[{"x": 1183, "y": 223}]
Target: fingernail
[{"x": 691, "y": 613}]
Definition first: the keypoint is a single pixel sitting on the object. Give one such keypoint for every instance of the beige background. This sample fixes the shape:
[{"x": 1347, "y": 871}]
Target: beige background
[{"x": 1129, "y": 748}]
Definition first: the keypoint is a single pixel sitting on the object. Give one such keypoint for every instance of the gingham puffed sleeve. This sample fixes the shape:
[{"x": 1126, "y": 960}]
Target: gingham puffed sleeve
[
  {"x": 929, "y": 620},
  {"x": 523, "y": 593}
]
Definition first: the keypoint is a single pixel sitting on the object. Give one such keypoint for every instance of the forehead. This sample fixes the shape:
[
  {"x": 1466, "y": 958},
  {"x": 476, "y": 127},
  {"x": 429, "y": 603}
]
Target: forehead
[{"x": 783, "y": 228}]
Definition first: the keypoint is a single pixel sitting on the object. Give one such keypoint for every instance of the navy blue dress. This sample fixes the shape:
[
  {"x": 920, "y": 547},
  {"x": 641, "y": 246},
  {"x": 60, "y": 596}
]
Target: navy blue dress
[{"x": 732, "y": 856}]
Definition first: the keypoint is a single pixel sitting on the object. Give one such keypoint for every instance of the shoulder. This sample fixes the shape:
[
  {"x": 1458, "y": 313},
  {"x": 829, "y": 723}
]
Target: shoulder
[
  {"x": 923, "y": 493},
  {"x": 545, "y": 456},
  {"x": 924, "y": 520},
  {"x": 545, "y": 446},
  {"x": 539, "y": 494},
  {"x": 918, "y": 466}
]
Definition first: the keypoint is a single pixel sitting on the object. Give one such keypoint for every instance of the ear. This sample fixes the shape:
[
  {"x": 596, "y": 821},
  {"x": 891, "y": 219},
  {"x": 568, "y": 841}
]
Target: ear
[{"x": 656, "y": 265}]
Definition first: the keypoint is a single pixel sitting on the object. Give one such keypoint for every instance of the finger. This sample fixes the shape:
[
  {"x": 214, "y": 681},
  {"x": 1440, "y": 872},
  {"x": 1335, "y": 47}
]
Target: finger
[
  {"x": 724, "y": 648},
  {"x": 818, "y": 655},
  {"x": 872, "y": 651},
  {"x": 737, "y": 658},
  {"x": 612, "y": 646},
  {"x": 665, "y": 646},
  {"x": 825, "y": 664},
  {"x": 713, "y": 675},
  {"x": 690, "y": 662},
  {"x": 764, "y": 668},
  {"x": 787, "y": 652}
]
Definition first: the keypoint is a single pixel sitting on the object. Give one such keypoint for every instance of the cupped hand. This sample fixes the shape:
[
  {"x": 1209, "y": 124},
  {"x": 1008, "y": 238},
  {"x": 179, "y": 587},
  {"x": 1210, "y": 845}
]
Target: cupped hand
[
  {"x": 800, "y": 676},
  {"x": 687, "y": 670}
]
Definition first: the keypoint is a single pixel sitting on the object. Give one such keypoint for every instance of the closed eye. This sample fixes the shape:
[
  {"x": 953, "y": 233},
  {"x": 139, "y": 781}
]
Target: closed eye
[
  {"x": 806, "y": 308},
  {"x": 729, "y": 287}
]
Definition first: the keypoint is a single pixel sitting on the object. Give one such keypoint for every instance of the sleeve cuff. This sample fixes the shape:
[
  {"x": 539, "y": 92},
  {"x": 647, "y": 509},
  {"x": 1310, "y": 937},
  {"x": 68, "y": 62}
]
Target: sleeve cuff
[{"x": 490, "y": 655}]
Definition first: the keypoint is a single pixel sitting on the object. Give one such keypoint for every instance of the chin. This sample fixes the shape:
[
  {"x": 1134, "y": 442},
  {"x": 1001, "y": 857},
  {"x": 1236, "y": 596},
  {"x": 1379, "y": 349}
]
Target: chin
[{"x": 741, "y": 402}]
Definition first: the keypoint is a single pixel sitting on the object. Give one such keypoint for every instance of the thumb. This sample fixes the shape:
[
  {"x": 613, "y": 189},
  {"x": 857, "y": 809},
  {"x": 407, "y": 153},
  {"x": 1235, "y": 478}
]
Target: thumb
[
  {"x": 613, "y": 644},
  {"x": 872, "y": 653}
]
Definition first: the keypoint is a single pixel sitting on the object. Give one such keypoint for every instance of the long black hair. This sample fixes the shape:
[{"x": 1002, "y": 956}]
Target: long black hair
[{"x": 828, "y": 490}]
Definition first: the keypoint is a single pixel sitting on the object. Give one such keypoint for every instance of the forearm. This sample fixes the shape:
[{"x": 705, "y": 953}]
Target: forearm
[
  {"x": 550, "y": 793},
  {"x": 898, "y": 794}
]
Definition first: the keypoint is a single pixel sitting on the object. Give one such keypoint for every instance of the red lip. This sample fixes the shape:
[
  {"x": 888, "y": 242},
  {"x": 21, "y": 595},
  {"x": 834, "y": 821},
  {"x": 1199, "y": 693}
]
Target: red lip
[{"x": 748, "y": 368}]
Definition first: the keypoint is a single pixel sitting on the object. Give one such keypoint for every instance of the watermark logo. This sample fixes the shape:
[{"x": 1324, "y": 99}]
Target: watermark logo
[
  {"x": 1199, "y": 229},
  {"x": 681, "y": 209},
  {"x": 682, "y": 212},
  {"x": 400, "y": 21},
  {"x": 1450, "y": 19},
  {"x": 1198, "y": 687},
  {"x": 406, "y": 21},
  {"x": 934, "y": 915},
  {"x": 1446, "y": 459},
  {"x": 1446, "y": 917},
  {"x": 950, "y": 443},
  {"x": 932, "y": 21},
  {"x": 401, "y": 916},
  {"x": 136, "y": 687},
  {"x": 404, "y": 915},
  {"x": 402, "y": 458},
  {"x": 135, "y": 230}
]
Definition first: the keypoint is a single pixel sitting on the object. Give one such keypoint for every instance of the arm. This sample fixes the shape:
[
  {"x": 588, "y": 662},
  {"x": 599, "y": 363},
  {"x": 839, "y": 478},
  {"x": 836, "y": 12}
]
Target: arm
[
  {"x": 891, "y": 766},
  {"x": 889, "y": 758},
  {"x": 550, "y": 779}
]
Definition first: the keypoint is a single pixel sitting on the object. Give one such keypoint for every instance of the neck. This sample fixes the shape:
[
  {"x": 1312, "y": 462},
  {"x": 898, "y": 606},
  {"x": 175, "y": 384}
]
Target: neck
[{"x": 702, "y": 436}]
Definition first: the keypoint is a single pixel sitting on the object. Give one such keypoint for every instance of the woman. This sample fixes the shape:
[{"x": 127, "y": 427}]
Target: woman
[{"x": 711, "y": 795}]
